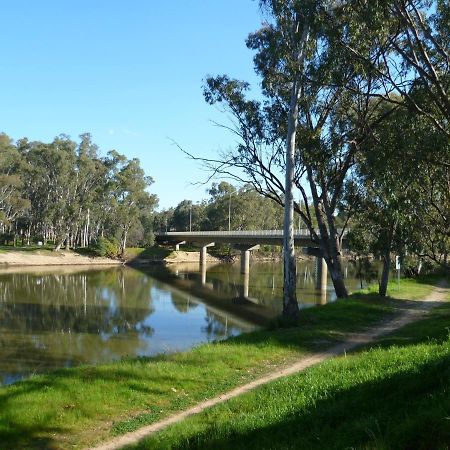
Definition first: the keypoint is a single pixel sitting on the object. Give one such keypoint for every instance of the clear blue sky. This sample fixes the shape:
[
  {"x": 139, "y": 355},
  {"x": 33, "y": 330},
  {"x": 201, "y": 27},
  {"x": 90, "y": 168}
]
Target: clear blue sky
[{"x": 130, "y": 73}]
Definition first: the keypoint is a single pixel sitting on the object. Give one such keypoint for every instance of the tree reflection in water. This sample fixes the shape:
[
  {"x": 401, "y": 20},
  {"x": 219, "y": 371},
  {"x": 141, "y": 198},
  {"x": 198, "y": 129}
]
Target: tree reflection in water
[{"x": 66, "y": 317}]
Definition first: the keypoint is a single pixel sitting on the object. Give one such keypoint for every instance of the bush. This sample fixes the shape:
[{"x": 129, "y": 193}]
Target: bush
[{"x": 104, "y": 247}]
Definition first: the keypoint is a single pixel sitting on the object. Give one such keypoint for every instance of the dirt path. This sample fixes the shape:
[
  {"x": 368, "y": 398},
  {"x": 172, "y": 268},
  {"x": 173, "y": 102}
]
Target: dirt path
[{"x": 414, "y": 310}]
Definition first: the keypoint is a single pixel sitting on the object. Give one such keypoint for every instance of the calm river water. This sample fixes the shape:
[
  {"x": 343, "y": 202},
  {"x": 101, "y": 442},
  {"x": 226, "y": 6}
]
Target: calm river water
[{"x": 60, "y": 317}]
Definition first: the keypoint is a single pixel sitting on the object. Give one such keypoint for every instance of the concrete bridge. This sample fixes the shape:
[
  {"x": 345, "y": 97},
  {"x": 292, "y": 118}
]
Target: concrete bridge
[{"x": 245, "y": 242}]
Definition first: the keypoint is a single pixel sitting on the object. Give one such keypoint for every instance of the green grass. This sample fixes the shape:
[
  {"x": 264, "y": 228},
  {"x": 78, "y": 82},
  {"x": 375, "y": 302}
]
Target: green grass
[
  {"x": 150, "y": 253},
  {"x": 408, "y": 288},
  {"x": 39, "y": 249},
  {"x": 395, "y": 395},
  {"x": 74, "y": 408}
]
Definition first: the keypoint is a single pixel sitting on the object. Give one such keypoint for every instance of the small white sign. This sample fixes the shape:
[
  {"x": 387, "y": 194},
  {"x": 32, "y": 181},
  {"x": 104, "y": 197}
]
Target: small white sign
[{"x": 397, "y": 262}]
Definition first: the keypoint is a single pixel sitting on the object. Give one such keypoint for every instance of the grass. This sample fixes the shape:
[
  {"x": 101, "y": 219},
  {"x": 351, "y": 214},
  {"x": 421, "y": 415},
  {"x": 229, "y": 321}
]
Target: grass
[
  {"x": 39, "y": 249},
  {"x": 74, "y": 408},
  {"x": 156, "y": 253},
  {"x": 407, "y": 288},
  {"x": 77, "y": 407},
  {"x": 395, "y": 395}
]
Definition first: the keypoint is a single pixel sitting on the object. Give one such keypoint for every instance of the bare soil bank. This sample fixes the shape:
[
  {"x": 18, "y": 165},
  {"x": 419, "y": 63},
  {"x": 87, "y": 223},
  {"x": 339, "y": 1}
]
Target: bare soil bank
[{"x": 49, "y": 258}]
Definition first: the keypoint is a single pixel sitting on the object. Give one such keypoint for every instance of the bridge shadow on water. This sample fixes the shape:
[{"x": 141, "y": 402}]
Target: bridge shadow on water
[{"x": 237, "y": 305}]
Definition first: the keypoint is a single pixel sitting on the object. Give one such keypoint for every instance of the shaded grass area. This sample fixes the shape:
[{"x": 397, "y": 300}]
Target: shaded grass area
[
  {"x": 395, "y": 395},
  {"x": 38, "y": 249},
  {"x": 156, "y": 253},
  {"x": 408, "y": 288},
  {"x": 77, "y": 407}
]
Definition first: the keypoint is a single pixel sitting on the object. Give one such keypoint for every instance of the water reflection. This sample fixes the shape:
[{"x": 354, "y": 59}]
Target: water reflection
[
  {"x": 59, "y": 318},
  {"x": 263, "y": 285}
]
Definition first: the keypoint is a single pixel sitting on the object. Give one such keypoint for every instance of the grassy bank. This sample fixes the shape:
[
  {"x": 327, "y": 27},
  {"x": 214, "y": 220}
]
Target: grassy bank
[
  {"x": 77, "y": 407},
  {"x": 395, "y": 395},
  {"x": 407, "y": 288}
]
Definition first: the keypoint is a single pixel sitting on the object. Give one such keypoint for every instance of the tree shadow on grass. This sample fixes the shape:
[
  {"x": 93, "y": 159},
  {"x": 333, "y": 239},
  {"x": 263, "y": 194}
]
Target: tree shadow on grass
[
  {"x": 318, "y": 328},
  {"x": 408, "y": 410}
]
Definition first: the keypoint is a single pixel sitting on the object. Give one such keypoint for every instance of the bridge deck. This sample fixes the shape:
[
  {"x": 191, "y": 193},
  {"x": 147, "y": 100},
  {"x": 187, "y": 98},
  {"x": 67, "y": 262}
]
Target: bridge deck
[{"x": 268, "y": 237}]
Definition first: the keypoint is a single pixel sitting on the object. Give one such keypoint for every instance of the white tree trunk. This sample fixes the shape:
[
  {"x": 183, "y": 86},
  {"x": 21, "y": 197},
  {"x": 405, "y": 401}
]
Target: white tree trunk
[{"x": 290, "y": 305}]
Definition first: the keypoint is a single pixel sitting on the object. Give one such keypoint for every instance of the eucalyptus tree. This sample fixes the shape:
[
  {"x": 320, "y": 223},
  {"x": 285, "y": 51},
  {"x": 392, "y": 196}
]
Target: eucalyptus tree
[
  {"x": 65, "y": 192},
  {"x": 410, "y": 54},
  {"x": 306, "y": 104},
  {"x": 12, "y": 201},
  {"x": 402, "y": 198},
  {"x": 188, "y": 216},
  {"x": 128, "y": 194}
]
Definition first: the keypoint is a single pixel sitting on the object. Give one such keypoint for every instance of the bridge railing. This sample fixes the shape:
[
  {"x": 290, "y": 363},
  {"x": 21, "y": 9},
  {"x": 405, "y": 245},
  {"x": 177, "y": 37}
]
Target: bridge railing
[{"x": 302, "y": 232}]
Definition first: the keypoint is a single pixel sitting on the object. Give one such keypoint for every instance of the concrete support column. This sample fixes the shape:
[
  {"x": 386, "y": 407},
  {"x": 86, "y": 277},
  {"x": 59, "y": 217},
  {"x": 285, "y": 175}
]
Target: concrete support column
[
  {"x": 203, "y": 270},
  {"x": 203, "y": 252},
  {"x": 245, "y": 255},
  {"x": 245, "y": 261},
  {"x": 245, "y": 285},
  {"x": 177, "y": 245},
  {"x": 321, "y": 273}
]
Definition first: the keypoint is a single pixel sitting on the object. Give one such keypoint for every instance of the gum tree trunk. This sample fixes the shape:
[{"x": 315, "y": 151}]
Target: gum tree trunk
[
  {"x": 290, "y": 305},
  {"x": 385, "y": 274}
]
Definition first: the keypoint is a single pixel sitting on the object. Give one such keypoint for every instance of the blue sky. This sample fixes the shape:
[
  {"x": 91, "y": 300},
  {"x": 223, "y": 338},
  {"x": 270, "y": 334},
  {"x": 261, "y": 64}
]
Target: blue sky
[{"x": 130, "y": 73}]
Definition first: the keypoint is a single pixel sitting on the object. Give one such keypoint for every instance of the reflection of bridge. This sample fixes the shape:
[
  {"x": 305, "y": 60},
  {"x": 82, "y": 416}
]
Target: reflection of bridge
[{"x": 246, "y": 241}]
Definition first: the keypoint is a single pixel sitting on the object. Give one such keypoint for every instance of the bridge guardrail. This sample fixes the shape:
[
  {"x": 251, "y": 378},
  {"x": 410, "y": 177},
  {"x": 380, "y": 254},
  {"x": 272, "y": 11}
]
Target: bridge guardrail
[{"x": 301, "y": 232}]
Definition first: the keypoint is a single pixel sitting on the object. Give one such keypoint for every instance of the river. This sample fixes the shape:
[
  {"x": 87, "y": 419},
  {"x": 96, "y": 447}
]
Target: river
[{"x": 61, "y": 317}]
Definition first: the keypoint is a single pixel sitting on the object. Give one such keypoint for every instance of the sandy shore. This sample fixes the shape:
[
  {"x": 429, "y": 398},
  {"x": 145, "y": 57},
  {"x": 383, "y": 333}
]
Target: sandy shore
[
  {"x": 188, "y": 257},
  {"x": 48, "y": 258}
]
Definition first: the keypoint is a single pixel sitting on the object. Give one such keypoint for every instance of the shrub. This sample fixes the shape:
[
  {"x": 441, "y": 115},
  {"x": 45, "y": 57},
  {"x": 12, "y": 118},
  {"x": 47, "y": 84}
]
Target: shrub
[{"x": 104, "y": 247}]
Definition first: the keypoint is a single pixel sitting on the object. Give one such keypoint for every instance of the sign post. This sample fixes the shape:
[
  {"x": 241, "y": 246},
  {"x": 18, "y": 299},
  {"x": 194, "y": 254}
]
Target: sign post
[{"x": 397, "y": 267}]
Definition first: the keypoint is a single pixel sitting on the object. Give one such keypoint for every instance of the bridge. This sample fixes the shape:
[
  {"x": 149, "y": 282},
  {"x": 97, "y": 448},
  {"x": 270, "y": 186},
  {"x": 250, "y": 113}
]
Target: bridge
[
  {"x": 245, "y": 242},
  {"x": 267, "y": 237}
]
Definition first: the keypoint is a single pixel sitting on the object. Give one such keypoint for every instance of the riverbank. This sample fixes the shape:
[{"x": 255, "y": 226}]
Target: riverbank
[
  {"x": 75, "y": 408},
  {"x": 392, "y": 395},
  {"x": 133, "y": 256},
  {"x": 35, "y": 256},
  {"x": 44, "y": 257}
]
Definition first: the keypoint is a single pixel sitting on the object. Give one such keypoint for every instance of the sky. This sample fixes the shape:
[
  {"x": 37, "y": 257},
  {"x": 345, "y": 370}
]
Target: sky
[{"x": 130, "y": 73}]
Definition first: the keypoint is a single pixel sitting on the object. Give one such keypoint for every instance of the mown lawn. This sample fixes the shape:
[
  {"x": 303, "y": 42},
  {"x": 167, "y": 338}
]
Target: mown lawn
[
  {"x": 74, "y": 408},
  {"x": 395, "y": 395}
]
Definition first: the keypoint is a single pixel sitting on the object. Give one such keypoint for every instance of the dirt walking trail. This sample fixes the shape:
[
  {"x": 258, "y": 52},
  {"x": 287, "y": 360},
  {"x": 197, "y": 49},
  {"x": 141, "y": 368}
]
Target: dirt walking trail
[{"x": 413, "y": 310}]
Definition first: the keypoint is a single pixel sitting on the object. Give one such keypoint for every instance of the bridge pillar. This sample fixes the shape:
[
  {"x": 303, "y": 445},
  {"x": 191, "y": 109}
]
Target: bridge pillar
[
  {"x": 245, "y": 261},
  {"x": 246, "y": 284},
  {"x": 203, "y": 253},
  {"x": 321, "y": 273},
  {"x": 245, "y": 256},
  {"x": 203, "y": 270},
  {"x": 177, "y": 245}
]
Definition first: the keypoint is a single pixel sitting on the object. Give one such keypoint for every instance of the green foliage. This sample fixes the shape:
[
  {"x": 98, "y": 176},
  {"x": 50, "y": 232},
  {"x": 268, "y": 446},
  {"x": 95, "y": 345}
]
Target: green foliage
[
  {"x": 240, "y": 208},
  {"x": 105, "y": 248},
  {"x": 65, "y": 192}
]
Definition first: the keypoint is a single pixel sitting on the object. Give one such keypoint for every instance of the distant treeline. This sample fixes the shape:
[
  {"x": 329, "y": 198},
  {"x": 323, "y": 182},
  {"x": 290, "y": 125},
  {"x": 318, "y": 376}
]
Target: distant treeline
[{"x": 66, "y": 193}]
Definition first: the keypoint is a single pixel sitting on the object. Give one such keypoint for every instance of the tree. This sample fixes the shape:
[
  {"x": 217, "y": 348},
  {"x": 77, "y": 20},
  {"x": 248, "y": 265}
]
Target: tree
[
  {"x": 66, "y": 193},
  {"x": 410, "y": 54},
  {"x": 332, "y": 121},
  {"x": 403, "y": 197},
  {"x": 12, "y": 202},
  {"x": 129, "y": 197}
]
